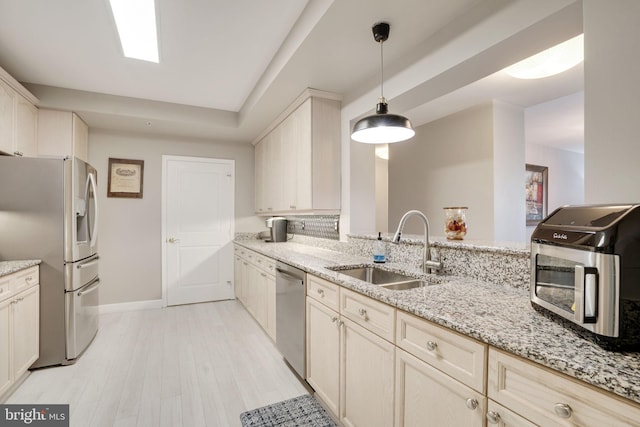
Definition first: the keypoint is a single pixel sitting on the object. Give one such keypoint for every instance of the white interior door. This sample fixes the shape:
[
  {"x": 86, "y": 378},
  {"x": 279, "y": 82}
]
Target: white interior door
[{"x": 198, "y": 229}]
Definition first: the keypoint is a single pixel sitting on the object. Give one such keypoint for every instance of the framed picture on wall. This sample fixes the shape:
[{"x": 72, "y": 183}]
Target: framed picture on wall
[
  {"x": 536, "y": 189},
  {"x": 125, "y": 178}
]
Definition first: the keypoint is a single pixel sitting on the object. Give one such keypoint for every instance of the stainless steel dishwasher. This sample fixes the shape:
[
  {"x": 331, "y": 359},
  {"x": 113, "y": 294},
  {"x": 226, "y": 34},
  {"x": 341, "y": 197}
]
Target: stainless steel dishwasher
[{"x": 290, "y": 315}]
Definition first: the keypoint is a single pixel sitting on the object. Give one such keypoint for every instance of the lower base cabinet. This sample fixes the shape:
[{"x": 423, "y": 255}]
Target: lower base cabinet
[
  {"x": 255, "y": 287},
  {"x": 427, "y": 397},
  {"x": 19, "y": 326},
  {"x": 366, "y": 378}
]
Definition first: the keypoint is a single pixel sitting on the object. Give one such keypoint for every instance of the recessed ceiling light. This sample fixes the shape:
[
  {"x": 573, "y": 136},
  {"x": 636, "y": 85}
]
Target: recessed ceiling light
[
  {"x": 549, "y": 62},
  {"x": 136, "y": 24}
]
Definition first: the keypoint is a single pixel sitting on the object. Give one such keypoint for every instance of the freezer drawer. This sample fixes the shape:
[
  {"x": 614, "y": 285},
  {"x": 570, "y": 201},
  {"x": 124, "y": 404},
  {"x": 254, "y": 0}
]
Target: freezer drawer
[{"x": 81, "y": 318}]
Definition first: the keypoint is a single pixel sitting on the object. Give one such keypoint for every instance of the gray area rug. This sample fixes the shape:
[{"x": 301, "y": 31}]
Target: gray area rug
[{"x": 299, "y": 411}]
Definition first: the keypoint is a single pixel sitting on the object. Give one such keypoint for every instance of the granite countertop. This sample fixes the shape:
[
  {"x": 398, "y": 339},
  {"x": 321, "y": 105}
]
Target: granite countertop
[
  {"x": 499, "y": 315},
  {"x": 8, "y": 267}
]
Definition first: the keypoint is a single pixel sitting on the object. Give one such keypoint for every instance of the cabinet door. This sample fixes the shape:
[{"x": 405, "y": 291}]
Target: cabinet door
[
  {"x": 271, "y": 305},
  {"x": 80, "y": 138},
  {"x": 261, "y": 298},
  {"x": 5, "y": 347},
  {"x": 7, "y": 116},
  {"x": 259, "y": 181},
  {"x": 26, "y": 128},
  {"x": 323, "y": 353},
  {"x": 427, "y": 397},
  {"x": 303, "y": 156},
  {"x": 366, "y": 378},
  {"x": 26, "y": 320},
  {"x": 237, "y": 277}
]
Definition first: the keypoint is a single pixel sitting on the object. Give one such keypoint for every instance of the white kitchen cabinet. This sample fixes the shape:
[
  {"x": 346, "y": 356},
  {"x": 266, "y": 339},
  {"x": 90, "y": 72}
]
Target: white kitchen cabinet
[
  {"x": 18, "y": 123},
  {"x": 19, "y": 326},
  {"x": 297, "y": 159},
  {"x": 426, "y": 396},
  {"x": 440, "y": 375},
  {"x": 255, "y": 287},
  {"x": 7, "y": 117},
  {"x": 350, "y": 368},
  {"x": 366, "y": 378},
  {"x": 62, "y": 133},
  {"x": 323, "y": 353},
  {"x": 548, "y": 398}
]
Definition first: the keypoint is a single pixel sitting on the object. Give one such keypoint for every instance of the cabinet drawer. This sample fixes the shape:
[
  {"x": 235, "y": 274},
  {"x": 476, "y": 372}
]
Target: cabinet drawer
[
  {"x": 4, "y": 288},
  {"x": 549, "y": 398},
  {"x": 460, "y": 357},
  {"x": 375, "y": 316},
  {"x": 24, "y": 279},
  {"x": 265, "y": 264},
  {"x": 323, "y": 291},
  {"x": 498, "y": 415}
]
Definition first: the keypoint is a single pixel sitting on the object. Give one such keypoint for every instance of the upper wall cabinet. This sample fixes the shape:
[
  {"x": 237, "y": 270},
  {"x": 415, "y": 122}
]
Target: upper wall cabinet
[
  {"x": 62, "y": 133},
  {"x": 297, "y": 159},
  {"x": 18, "y": 118}
]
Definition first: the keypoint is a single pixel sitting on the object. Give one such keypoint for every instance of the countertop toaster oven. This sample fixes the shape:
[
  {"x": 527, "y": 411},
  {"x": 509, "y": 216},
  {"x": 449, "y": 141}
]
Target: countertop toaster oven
[{"x": 585, "y": 270}]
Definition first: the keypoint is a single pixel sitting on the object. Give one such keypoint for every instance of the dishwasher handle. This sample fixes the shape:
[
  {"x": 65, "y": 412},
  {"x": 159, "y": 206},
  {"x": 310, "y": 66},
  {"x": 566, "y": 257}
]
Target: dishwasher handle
[{"x": 289, "y": 275}]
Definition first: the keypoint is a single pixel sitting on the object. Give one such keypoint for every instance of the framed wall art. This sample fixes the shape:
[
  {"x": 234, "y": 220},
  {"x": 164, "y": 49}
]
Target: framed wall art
[
  {"x": 536, "y": 189},
  {"x": 125, "y": 178}
]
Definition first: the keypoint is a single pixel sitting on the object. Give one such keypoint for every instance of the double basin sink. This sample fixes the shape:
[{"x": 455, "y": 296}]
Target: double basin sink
[{"x": 383, "y": 278}]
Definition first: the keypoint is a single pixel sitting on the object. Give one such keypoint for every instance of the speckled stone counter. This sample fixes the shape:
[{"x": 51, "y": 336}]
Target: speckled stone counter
[
  {"x": 8, "y": 267},
  {"x": 499, "y": 315}
]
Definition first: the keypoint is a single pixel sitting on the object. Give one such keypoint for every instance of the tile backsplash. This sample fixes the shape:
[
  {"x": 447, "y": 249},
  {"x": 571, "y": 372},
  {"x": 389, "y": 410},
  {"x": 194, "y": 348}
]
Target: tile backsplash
[{"x": 321, "y": 226}]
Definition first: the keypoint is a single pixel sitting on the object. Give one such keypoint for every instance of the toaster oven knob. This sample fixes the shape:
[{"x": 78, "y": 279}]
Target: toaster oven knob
[
  {"x": 493, "y": 417},
  {"x": 562, "y": 410}
]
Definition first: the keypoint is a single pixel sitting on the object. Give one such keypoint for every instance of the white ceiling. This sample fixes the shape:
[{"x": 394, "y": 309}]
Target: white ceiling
[{"x": 229, "y": 67}]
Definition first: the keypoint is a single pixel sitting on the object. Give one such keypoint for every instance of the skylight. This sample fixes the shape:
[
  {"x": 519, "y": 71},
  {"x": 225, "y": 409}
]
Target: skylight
[
  {"x": 136, "y": 23},
  {"x": 549, "y": 62}
]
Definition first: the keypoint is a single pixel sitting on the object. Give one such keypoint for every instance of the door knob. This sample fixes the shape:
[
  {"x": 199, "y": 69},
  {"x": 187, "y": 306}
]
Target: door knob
[{"x": 172, "y": 240}]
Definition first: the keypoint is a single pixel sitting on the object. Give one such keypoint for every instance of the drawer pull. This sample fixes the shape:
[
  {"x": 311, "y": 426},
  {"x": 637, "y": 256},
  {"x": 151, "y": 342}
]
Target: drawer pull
[
  {"x": 334, "y": 319},
  {"x": 28, "y": 278},
  {"x": 321, "y": 293},
  {"x": 1, "y": 290},
  {"x": 493, "y": 417},
  {"x": 562, "y": 410},
  {"x": 363, "y": 313},
  {"x": 432, "y": 346},
  {"x": 472, "y": 403},
  {"x": 263, "y": 274}
]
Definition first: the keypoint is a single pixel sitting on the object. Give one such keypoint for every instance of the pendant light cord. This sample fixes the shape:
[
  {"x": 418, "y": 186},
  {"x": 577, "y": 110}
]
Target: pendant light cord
[{"x": 381, "y": 73}]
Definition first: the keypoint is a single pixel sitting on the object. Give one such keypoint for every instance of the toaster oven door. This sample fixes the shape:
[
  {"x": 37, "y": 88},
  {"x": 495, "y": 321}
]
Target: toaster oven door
[{"x": 579, "y": 285}]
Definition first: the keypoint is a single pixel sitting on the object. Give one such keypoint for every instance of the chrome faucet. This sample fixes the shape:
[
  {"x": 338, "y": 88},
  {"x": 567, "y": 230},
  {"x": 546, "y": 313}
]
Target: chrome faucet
[{"x": 427, "y": 264}]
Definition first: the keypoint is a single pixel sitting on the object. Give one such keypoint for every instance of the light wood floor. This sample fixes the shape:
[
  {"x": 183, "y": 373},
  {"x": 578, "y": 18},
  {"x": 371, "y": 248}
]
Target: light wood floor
[{"x": 192, "y": 365}]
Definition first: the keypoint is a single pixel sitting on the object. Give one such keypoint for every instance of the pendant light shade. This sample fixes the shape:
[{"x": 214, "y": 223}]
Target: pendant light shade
[{"x": 382, "y": 127}]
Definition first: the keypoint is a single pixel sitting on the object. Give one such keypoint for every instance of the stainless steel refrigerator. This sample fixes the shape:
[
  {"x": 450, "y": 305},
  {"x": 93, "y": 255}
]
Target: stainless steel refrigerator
[{"x": 49, "y": 211}]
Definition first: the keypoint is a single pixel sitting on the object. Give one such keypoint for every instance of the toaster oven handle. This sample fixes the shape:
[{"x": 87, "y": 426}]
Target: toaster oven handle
[{"x": 586, "y": 294}]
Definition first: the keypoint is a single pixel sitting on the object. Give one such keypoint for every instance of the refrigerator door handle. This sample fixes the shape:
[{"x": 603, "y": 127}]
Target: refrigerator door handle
[
  {"x": 90, "y": 287},
  {"x": 94, "y": 232},
  {"x": 88, "y": 263}
]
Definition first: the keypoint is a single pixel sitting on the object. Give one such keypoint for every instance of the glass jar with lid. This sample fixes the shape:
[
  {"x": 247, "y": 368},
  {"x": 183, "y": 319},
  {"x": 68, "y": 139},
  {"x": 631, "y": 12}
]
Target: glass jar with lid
[{"x": 455, "y": 222}]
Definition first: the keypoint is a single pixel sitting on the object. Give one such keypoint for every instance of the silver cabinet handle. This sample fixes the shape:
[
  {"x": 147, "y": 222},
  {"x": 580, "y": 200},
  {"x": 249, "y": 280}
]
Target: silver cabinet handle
[
  {"x": 493, "y": 417},
  {"x": 563, "y": 410},
  {"x": 172, "y": 240},
  {"x": 321, "y": 293},
  {"x": 28, "y": 278},
  {"x": 471, "y": 403},
  {"x": 18, "y": 153},
  {"x": 334, "y": 319},
  {"x": 263, "y": 274},
  {"x": 363, "y": 312},
  {"x": 431, "y": 346}
]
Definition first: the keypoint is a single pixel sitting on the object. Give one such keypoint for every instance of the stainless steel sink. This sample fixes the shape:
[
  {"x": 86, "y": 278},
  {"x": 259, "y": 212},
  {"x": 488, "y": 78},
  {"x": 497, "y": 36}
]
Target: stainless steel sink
[{"x": 383, "y": 278}]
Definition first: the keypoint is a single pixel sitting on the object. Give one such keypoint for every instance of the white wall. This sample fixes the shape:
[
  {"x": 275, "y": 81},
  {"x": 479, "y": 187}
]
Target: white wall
[
  {"x": 130, "y": 229},
  {"x": 565, "y": 175},
  {"x": 509, "y": 211},
  {"x": 612, "y": 101},
  {"x": 448, "y": 163}
]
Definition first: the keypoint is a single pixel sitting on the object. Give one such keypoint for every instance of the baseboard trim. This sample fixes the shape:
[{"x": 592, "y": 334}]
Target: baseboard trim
[{"x": 131, "y": 306}]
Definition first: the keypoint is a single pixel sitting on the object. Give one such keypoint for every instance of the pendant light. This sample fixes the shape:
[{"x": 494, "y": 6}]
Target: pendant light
[{"x": 382, "y": 127}]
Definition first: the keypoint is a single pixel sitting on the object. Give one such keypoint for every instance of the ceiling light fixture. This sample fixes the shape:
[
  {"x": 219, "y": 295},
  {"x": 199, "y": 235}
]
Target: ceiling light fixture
[
  {"x": 549, "y": 62},
  {"x": 136, "y": 24},
  {"x": 382, "y": 127}
]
